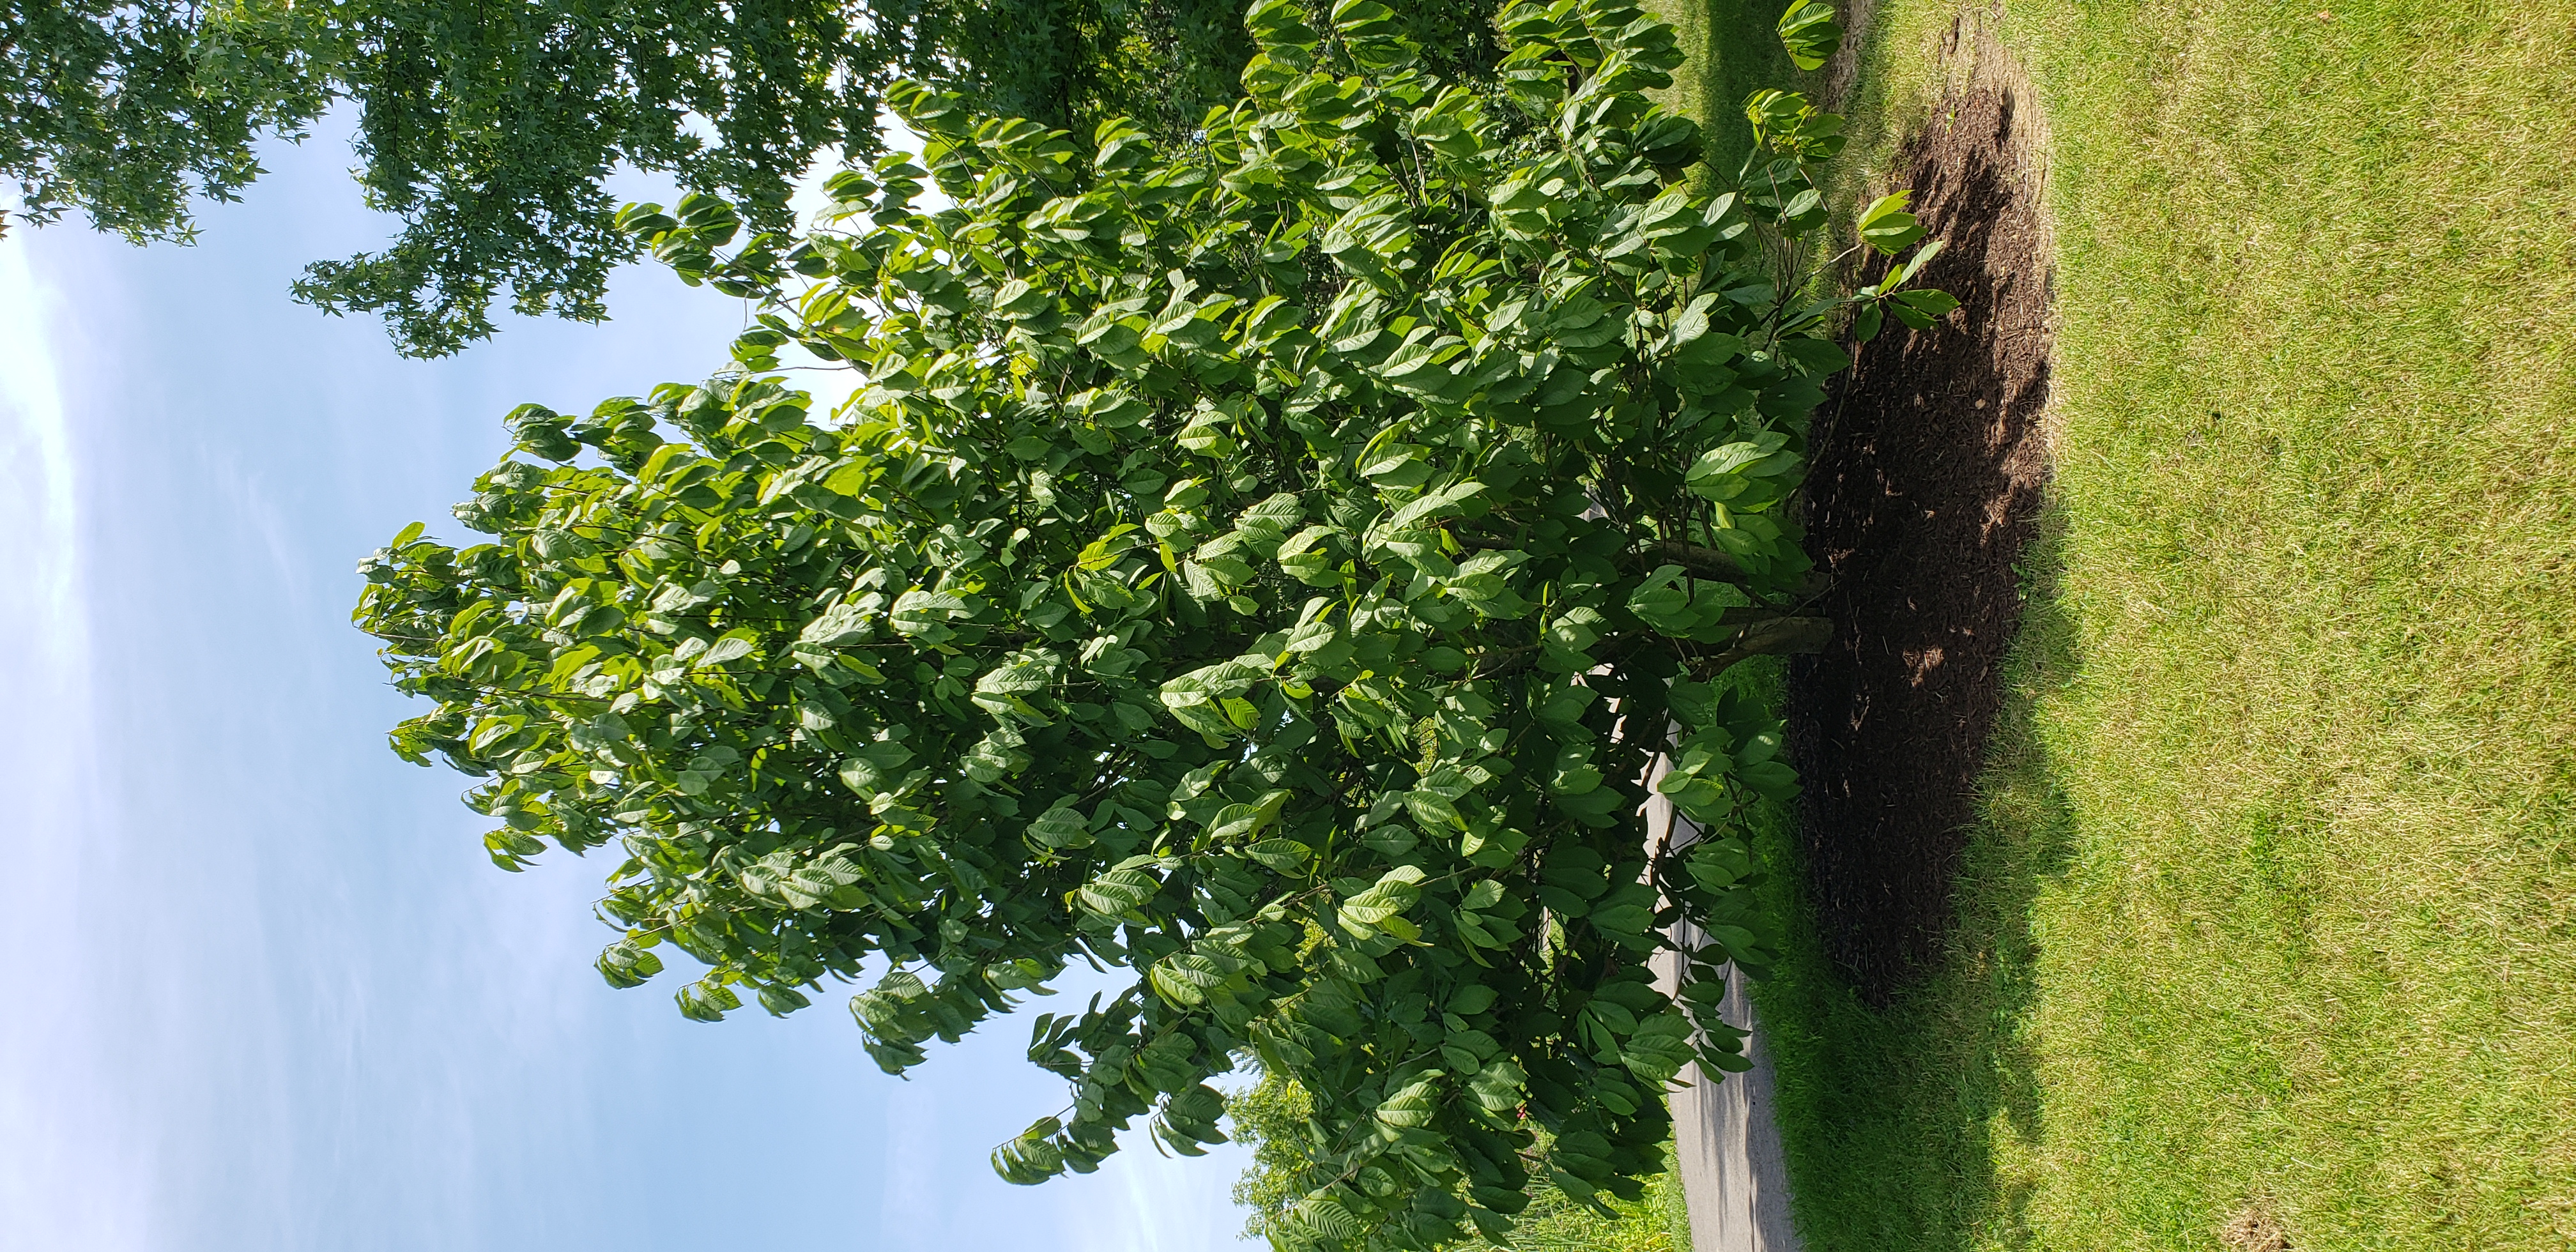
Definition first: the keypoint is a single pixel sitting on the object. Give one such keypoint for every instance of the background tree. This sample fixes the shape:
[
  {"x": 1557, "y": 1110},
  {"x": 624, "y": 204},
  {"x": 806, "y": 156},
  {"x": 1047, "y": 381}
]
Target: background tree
[
  {"x": 488, "y": 129},
  {"x": 129, "y": 110},
  {"x": 1268, "y": 566}
]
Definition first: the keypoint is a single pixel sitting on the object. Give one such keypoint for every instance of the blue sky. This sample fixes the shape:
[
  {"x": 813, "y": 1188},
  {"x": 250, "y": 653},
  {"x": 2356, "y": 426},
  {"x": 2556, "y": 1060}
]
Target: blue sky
[{"x": 269, "y": 992}]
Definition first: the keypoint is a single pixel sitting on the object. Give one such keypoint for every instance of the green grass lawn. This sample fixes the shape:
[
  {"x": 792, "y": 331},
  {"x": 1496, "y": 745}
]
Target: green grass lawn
[
  {"x": 1553, "y": 1223},
  {"x": 2273, "y": 901},
  {"x": 1266, "y": 1116}
]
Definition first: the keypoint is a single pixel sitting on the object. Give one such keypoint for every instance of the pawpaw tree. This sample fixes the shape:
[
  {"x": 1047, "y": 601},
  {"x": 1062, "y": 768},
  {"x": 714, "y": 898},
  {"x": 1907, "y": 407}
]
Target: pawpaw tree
[{"x": 1268, "y": 566}]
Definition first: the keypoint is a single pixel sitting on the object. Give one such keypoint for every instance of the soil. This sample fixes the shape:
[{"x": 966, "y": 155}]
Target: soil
[{"x": 1928, "y": 466}]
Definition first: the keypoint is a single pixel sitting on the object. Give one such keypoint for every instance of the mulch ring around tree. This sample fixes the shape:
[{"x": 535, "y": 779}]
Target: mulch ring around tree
[{"x": 1928, "y": 467}]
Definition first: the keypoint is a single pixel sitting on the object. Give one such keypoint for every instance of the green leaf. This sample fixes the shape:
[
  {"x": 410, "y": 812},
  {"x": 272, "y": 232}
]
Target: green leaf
[
  {"x": 1118, "y": 893},
  {"x": 1244, "y": 821},
  {"x": 1913, "y": 265},
  {"x": 1432, "y": 809},
  {"x": 1324, "y": 1216},
  {"x": 1384, "y": 901},
  {"x": 1061, "y": 828},
  {"x": 1803, "y": 212},
  {"x": 1810, "y": 34},
  {"x": 1185, "y": 980},
  {"x": 1886, "y": 226},
  {"x": 1286, "y": 856},
  {"x": 1865, "y": 325},
  {"x": 1019, "y": 299},
  {"x": 707, "y": 1000},
  {"x": 1415, "y": 1105},
  {"x": 1921, "y": 308},
  {"x": 1437, "y": 505}
]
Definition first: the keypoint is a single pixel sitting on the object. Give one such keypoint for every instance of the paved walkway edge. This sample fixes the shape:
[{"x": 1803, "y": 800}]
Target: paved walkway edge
[
  {"x": 1726, "y": 1143},
  {"x": 1726, "y": 1135}
]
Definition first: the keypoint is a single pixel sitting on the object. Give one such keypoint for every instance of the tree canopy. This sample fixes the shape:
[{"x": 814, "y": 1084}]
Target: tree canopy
[
  {"x": 1267, "y": 564},
  {"x": 489, "y": 129}
]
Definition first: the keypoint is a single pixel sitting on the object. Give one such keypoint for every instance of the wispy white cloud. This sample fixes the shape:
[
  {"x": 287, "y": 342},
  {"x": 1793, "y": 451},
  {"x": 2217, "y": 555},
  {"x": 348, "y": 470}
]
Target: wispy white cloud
[
  {"x": 912, "y": 1212},
  {"x": 55, "y": 1196},
  {"x": 1161, "y": 1203},
  {"x": 283, "y": 1004},
  {"x": 40, "y": 595}
]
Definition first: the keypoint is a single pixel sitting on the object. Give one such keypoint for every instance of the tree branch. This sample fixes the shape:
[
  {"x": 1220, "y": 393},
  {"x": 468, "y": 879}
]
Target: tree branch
[
  {"x": 1778, "y": 636},
  {"x": 1721, "y": 566},
  {"x": 1710, "y": 563}
]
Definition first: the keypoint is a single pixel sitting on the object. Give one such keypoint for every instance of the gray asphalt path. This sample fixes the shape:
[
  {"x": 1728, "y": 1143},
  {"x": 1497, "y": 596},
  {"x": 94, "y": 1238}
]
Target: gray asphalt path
[{"x": 1726, "y": 1139}]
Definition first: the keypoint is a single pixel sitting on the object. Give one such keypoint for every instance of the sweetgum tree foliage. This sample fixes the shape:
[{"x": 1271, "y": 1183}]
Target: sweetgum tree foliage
[
  {"x": 1266, "y": 565},
  {"x": 488, "y": 129},
  {"x": 127, "y": 110}
]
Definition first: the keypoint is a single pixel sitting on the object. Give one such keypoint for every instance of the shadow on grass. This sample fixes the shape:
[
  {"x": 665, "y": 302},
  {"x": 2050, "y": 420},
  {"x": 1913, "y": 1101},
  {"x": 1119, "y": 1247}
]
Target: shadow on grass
[
  {"x": 1928, "y": 467},
  {"x": 1895, "y": 1118},
  {"x": 1905, "y": 1111},
  {"x": 1734, "y": 51},
  {"x": 1901, "y": 1020}
]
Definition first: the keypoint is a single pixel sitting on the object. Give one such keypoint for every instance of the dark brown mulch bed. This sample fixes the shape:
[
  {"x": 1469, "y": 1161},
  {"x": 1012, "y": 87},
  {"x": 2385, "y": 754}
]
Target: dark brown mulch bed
[{"x": 1928, "y": 466}]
